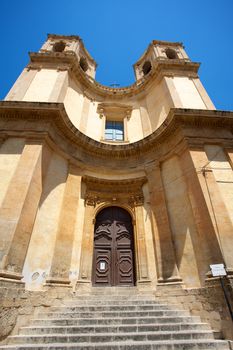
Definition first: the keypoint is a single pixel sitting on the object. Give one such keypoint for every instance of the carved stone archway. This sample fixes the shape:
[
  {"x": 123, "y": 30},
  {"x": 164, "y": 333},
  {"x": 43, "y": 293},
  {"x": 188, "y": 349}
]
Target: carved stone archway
[{"x": 101, "y": 193}]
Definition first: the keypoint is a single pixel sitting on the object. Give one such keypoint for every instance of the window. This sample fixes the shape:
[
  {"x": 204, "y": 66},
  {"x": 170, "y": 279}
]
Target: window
[
  {"x": 83, "y": 64},
  {"x": 171, "y": 54},
  {"x": 114, "y": 130},
  {"x": 146, "y": 68},
  {"x": 59, "y": 46}
]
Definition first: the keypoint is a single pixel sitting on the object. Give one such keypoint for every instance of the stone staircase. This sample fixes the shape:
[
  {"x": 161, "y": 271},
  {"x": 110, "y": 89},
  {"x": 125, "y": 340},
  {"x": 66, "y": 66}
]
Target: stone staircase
[{"x": 115, "y": 318}]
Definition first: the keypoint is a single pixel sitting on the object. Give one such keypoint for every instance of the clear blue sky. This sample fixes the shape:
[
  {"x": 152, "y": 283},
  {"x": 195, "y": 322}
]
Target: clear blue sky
[{"x": 117, "y": 32}]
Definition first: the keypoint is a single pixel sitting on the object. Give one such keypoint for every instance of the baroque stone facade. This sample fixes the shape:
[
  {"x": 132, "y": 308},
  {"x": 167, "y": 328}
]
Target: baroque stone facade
[{"x": 166, "y": 159}]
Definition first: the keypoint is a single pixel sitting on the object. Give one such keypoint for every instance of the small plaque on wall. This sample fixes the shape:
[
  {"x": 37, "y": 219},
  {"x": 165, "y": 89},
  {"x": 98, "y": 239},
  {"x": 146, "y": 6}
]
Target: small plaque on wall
[{"x": 218, "y": 270}]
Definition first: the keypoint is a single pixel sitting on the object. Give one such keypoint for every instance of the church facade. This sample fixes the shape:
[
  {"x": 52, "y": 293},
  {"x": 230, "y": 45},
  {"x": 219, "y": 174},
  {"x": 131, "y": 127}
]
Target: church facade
[{"x": 104, "y": 186}]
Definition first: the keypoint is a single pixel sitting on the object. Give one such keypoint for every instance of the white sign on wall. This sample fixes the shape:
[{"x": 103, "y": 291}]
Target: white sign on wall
[
  {"x": 102, "y": 265},
  {"x": 218, "y": 270}
]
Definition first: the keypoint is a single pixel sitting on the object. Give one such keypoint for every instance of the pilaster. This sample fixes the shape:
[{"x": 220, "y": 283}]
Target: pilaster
[
  {"x": 87, "y": 249},
  {"x": 18, "y": 210},
  {"x": 167, "y": 267},
  {"x": 209, "y": 251},
  {"x": 216, "y": 207},
  {"x": 141, "y": 252},
  {"x": 60, "y": 268}
]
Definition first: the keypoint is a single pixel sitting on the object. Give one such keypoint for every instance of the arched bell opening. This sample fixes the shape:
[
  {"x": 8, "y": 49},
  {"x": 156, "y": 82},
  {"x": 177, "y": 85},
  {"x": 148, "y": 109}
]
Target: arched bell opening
[{"x": 113, "y": 256}]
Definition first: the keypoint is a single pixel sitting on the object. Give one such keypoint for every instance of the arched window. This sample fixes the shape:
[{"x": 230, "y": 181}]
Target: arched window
[
  {"x": 171, "y": 54},
  {"x": 59, "y": 46},
  {"x": 83, "y": 64},
  {"x": 146, "y": 68}
]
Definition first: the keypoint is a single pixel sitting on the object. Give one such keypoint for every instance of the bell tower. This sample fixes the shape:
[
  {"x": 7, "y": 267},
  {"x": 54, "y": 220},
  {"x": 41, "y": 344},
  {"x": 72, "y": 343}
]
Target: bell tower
[
  {"x": 177, "y": 76},
  {"x": 45, "y": 78},
  {"x": 72, "y": 44}
]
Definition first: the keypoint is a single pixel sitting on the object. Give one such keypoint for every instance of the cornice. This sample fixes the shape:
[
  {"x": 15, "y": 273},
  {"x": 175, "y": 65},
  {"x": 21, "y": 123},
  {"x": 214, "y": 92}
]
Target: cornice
[
  {"x": 167, "y": 43},
  {"x": 65, "y": 37},
  {"x": 55, "y": 114},
  {"x": 68, "y": 60}
]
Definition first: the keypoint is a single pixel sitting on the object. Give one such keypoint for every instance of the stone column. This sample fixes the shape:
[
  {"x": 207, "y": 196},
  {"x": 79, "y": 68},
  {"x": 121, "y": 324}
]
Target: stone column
[
  {"x": 87, "y": 248},
  {"x": 216, "y": 207},
  {"x": 209, "y": 251},
  {"x": 60, "y": 268},
  {"x": 18, "y": 211},
  {"x": 140, "y": 243},
  {"x": 166, "y": 261}
]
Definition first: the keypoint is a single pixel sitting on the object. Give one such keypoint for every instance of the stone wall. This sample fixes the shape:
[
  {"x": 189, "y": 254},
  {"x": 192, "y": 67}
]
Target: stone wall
[
  {"x": 207, "y": 302},
  {"x": 18, "y": 306}
]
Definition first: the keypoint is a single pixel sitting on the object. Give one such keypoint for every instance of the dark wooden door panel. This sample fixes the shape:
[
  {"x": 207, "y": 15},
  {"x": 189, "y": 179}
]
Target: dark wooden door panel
[
  {"x": 113, "y": 261},
  {"x": 125, "y": 271}
]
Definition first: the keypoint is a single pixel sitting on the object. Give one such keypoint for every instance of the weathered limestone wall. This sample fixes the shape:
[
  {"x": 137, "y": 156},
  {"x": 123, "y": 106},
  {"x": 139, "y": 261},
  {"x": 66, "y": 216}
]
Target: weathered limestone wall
[{"x": 209, "y": 303}]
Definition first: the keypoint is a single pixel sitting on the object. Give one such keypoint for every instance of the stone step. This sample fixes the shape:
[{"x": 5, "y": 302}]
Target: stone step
[
  {"x": 121, "y": 313},
  {"x": 115, "y": 291},
  {"x": 91, "y": 302},
  {"x": 114, "y": 320},
  {"x": 113, "y": 297},
  {"x": 158, "y": 345},
  {"x": 91, "y": 308},
  {"x": 113, "y": 328},
  {"x": 75, "y": 302},
  {"x": 110, "y": 337}
]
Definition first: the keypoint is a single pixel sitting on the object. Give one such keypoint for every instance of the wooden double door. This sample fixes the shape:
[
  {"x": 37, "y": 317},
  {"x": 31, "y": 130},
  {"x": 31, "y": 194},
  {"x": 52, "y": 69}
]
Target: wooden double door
[{"x": 113, "y": 258}]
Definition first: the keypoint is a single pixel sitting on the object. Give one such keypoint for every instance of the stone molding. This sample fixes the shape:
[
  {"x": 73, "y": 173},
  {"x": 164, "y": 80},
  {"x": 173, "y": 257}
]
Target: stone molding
[
  {"x": 56, "y": 119},
  {"x": 114, "y": 111},
  {"x": 114, "y": 191}
]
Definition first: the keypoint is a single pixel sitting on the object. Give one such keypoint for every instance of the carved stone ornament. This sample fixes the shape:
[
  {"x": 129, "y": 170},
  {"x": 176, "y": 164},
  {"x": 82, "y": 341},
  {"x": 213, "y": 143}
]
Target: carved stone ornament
[
  {"x": 114, "y": 191},
  {"x": 114, "y": 111}
]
